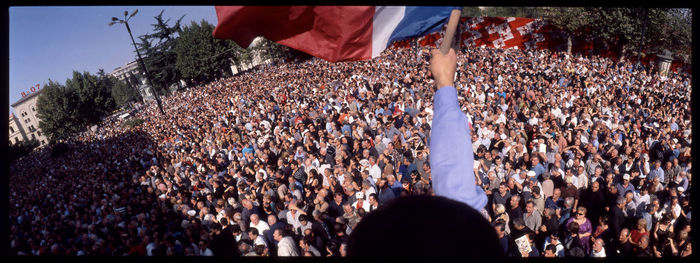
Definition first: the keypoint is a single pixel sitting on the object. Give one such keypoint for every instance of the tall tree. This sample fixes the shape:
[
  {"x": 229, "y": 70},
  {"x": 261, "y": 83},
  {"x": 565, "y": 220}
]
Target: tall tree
[
  {"x": 123, "y": 92},
  {"x": 58, "y": 111},
  {"x": 22, "y": 148},
  {"x": 159, "y": 55},
  {"x": 202, "y": 57},
  {"x": 571, "y": 20}
]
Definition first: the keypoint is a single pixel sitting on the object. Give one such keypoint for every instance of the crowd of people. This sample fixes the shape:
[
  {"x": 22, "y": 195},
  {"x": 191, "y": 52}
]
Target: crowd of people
[{"x": 579, "y": 156}]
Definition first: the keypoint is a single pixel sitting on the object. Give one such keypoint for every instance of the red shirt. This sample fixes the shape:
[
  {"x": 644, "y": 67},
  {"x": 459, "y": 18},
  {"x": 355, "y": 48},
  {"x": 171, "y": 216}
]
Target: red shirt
[{"x": 637, "y": 235}]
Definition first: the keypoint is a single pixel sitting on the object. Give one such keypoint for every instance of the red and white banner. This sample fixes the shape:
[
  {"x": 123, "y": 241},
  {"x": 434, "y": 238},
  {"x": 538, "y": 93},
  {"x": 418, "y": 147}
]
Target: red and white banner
[{"x": 520, "y": 33}]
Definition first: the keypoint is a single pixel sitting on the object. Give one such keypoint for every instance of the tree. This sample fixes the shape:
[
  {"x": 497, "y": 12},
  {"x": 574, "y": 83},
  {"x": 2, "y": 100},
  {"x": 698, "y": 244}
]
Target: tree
[
  {"x": 669, "y": 29},
  {"x": 471, "y": 11},
  {"x": 159, "y": 55},
  {"x": 64, "y": 110},
  {"x": 94, "y": 95},
  {"x": 202, "y": 57},
  {"x": 58, "y": 113},
  {"x": 123, "y": 92},
  {"x": 571, "y": 20},
  {"x": 22, "y": 148}
]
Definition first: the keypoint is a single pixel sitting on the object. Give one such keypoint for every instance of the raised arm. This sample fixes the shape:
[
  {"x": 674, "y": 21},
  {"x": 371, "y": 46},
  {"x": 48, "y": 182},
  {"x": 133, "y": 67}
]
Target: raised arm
[{"x": 451, "y": 151}]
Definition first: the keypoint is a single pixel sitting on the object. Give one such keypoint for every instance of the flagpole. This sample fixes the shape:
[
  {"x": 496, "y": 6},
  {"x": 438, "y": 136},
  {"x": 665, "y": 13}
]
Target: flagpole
[{"x": 447, "y": 41}]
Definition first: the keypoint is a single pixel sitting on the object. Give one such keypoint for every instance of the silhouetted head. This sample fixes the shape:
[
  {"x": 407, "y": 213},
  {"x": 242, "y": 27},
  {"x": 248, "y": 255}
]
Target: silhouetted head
[{"x": 424, "y": 227}]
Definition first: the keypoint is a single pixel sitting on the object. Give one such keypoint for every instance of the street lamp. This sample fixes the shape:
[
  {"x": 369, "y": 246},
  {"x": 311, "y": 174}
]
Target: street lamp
[{"x": 125, "y": 21}]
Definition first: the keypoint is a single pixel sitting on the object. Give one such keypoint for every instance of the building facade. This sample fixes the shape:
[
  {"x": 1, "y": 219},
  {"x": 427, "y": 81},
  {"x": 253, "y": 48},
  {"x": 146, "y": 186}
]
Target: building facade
[
  {"x": 16, "y": 133},
  {"x": 125, "y": 74},
  {"x": 27, "y": 119}
]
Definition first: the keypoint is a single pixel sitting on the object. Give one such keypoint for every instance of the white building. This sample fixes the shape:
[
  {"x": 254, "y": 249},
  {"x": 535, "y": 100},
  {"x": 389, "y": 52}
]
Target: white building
[
  {"x": 27, "y": 123},
  {"x": 133, "y": 68}
]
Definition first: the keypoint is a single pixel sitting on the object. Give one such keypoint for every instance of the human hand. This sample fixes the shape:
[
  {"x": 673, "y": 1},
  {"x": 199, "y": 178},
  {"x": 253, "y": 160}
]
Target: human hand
[{"x": 443, "y": 67}]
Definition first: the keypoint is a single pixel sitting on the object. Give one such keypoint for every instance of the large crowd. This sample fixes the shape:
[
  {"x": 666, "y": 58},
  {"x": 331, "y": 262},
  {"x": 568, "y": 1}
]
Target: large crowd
[{"x": 579, "y": 156}]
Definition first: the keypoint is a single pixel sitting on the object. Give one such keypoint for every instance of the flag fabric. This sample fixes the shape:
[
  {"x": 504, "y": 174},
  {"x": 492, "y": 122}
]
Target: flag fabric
[{"x": 333, "y": 33}]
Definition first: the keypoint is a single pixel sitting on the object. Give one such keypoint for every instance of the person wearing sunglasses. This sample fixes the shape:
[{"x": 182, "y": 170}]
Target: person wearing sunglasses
[{"x": 585, "y": 227}]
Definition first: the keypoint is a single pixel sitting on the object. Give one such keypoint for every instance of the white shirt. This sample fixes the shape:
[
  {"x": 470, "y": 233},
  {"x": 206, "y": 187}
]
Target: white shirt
[
  {"x": 600, "y": 254},
  {"x": 260, "y": 241},
  {"x": 375, "y": 172},
  {"x": 293, "y": 219},
  {"x": 286, "y": 248},
  {"x": 261, "y": 226},
  {"x": 365, "y": 205}
]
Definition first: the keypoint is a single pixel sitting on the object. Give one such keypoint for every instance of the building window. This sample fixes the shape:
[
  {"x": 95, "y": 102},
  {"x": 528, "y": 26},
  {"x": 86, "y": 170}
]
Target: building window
[
  {"x": 33, "y": 137},
  {"x": 16, "y": 140},
  {"x": 43, "y": 142},
  {"x": 39, "y": 133},
  {"x": 26, "y": 120},
  {"x": 31, "y": 128},
  {"x": 12, "y": 130},
  {"x": 33, "y": 108}
]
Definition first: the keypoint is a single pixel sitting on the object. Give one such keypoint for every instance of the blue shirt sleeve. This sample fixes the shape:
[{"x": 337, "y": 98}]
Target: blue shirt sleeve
[{"x": 451, "y": 154}]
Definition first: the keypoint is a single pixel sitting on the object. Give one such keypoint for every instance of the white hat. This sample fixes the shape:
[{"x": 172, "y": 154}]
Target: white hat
[
  {"x": 680, "y": 189},
  {"x": 359, "y": 195},
  {"x": 503, "y": 136},
  {"x": 191, "y": 212},
  {"x": 675, "y": 140},
  {"x": 626, "y": 177},
  {"x": 531, "y": 173},
  {"x": 642, "y": 176}
]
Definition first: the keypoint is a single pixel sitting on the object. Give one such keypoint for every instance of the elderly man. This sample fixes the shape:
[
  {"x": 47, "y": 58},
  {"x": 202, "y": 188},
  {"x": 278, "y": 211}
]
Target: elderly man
[
  {"x": 258, "y": 224},
  {"x": 286, "y": 246},
  {"x": 598, "y": 250}
]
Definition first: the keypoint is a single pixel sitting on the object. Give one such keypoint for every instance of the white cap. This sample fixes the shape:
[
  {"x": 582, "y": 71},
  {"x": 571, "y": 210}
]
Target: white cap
[
  {"x": 680, "y": 189},
  {"x": 531, "y": 173},
  {"x": 191, "y": 213},
  {"x": 359, "y": 195},
  {"x": 626, "y": 177}
]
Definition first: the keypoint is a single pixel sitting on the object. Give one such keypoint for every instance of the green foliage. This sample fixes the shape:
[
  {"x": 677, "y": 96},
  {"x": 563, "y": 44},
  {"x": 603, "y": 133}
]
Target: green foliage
[
  {"x": 64, "y": 110},
  {"x": 471, "y": 11},
  {"x": 22, "y": 148},
  {"x": 133, "y": 122},
  {"x": 202, "y": 57},
  {"x": 124, "y": 92},
  {"x": 502, "y": 11},
  {"x": 58, "y": 111},
  {"x": 158, "y": 51}
]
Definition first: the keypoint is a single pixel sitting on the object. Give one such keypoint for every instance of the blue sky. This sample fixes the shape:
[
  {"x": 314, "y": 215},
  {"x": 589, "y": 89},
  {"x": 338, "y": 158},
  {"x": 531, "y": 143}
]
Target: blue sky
[{"x": 51, "y": 42}]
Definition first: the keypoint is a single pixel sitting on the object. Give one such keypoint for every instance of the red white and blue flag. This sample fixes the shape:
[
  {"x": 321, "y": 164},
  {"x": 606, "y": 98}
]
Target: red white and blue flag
[{"x": 333, "y": 33}]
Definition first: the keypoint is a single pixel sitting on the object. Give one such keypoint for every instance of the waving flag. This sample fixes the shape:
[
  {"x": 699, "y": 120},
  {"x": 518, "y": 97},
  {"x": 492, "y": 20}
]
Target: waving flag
[{"x": 333, "y": 33}]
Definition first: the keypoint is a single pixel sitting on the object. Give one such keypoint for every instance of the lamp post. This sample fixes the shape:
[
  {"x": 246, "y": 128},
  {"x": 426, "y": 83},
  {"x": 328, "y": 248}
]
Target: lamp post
[{"x": 125, "y": 21}]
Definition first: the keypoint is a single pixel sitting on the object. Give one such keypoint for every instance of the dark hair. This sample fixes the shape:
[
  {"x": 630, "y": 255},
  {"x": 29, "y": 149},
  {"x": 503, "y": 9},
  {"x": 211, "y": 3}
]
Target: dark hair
[
  {"x": 551, "y": 247},
  {"x": 253, "y": 231},
  {"x": 573, "y": 227},
  {"x": 500, "y": 226},
  {"x": 391, "y": 231}
]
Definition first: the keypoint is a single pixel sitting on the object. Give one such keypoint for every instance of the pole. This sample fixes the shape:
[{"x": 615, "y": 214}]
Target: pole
[
  {"x": 143, "y": 65},
  {"x": 448, "y": 40}
]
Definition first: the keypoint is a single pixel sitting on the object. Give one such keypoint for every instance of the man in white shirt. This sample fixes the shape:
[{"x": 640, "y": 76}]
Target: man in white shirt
[
  {"x": 374, "y": 171},
  {"x": 361, "y": 203},
  {"x": 255, "y": 236},
  {"x": 258, "y": 224},
  {"x": 598, "y": 250},
  {"x": 285, "y": 244}
]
